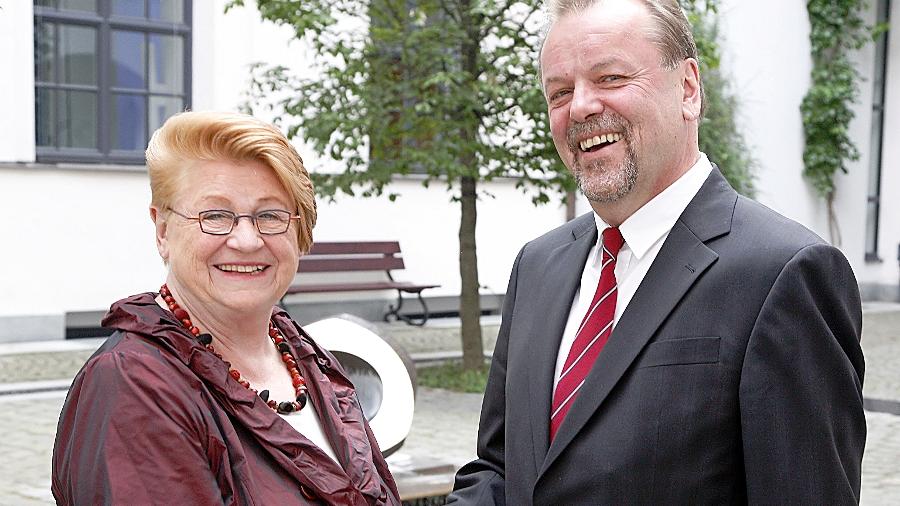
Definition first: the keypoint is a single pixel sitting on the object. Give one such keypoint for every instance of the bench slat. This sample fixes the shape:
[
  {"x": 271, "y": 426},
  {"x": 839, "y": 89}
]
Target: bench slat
[
  {"x": 351, "y": 248},
  {"x": 358, "y": 287},
  {"x": 317, "y": 264}
]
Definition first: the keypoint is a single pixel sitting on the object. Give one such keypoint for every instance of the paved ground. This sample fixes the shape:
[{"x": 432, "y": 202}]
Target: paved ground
[{"x": 443, "y": 433}]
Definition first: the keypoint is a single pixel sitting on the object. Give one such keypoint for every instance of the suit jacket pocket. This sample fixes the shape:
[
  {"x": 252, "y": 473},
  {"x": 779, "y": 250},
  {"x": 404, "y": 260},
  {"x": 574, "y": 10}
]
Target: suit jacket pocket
[{"x": 682, "y": 351}]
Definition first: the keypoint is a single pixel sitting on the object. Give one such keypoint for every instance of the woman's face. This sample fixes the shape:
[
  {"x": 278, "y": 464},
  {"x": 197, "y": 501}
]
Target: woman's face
[{"x": 239, "y": 272}]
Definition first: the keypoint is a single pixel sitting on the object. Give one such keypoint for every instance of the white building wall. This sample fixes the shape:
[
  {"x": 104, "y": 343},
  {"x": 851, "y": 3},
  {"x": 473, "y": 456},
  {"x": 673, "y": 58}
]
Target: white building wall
[
  {"x": 766, "y": 52},
  {"x": 83, "y": 237},
  {"x": 17, "y": 82},
  {"x": 88, "y": 240}
]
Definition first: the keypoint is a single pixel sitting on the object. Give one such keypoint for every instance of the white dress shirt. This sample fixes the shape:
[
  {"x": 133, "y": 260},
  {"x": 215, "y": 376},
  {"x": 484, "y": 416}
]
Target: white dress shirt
[{"x": 645, "y": 231}]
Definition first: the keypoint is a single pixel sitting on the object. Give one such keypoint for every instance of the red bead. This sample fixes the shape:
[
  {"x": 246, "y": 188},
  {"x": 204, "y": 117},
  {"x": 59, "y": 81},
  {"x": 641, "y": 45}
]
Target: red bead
[
  {"x": 187, "y": 322},
  {"x": 272, "y": 404},
  {"x": 273, "y": 332},
  {"x": 297, "y": 381},
  {"x": 181, "y": 314},
  {"x": 278, "y": 339},
  {"x": 235, "y": 374},
  {"x": 245, "y": 383},
  {"x": 195, "y": 331}
]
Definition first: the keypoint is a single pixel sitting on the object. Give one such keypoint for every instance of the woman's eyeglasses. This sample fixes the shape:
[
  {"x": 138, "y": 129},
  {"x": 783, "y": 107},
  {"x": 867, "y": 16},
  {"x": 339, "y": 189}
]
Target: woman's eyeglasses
[{"x": 222, "y": 222}]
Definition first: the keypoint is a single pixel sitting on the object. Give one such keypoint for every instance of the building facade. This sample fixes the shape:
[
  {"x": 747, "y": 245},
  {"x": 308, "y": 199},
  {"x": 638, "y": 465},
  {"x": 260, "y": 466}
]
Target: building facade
[{"x": 85, "y": 82}]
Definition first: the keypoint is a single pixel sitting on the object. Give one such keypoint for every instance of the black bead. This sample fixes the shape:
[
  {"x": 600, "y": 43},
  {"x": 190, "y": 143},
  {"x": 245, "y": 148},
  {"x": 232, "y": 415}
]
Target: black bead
[
  {"x": 204, "y": 339},
  {"x": 264, "y": 395},
  {"x": 301, "y": 400},
  {"x": 284, "y": 348},
  {"x": 285, "y": 407}
]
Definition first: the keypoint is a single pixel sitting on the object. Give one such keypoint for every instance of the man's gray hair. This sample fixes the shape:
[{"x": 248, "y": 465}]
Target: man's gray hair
[{"x": 672, "y": 32}]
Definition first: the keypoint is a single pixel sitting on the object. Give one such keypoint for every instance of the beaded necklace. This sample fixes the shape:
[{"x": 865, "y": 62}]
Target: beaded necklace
[{"x": 297, "y": 380}]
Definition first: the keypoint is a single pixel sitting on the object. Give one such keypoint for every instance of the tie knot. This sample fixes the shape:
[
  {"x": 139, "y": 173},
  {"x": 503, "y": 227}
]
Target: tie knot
[{"x": 613, "y": 241}]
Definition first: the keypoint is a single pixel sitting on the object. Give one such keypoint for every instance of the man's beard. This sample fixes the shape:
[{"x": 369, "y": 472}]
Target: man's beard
[{"x": 598, "y": 181}]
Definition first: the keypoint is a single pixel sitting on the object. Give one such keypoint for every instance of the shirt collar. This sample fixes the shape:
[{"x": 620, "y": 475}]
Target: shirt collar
[{"x": 657, "y": 217}]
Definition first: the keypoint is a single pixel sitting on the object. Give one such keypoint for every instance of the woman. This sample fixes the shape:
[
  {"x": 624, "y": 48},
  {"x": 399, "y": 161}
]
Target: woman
[{"x": 207, "y": 393}]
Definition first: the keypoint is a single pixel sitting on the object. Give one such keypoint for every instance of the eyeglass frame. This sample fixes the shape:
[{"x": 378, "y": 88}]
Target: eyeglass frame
[{"x": 236, "y": 217}]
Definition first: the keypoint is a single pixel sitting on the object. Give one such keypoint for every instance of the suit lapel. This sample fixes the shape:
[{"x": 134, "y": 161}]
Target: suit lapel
[
  {"x": 681, "y": 261},
  {"x": 559, "y": 283}
]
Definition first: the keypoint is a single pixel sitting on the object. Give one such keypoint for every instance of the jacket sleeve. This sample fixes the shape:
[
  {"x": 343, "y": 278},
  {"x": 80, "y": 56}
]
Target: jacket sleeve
[
  {"x": 802, "y": 423},
  {"x": 130, "y": 434},
  {"x": 483, "y": 480}
]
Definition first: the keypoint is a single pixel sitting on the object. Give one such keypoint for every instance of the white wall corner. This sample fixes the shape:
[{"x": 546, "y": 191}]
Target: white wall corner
[{"x": 17, "y": 143}]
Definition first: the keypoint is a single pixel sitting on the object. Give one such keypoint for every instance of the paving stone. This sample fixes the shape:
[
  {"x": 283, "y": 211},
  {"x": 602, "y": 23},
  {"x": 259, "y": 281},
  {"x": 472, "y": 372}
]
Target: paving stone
[{"x": 445, "y": 424}]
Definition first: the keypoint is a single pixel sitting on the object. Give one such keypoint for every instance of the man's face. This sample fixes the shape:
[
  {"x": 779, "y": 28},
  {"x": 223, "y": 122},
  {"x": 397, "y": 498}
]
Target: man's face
[{"x": 617, "y": 116}]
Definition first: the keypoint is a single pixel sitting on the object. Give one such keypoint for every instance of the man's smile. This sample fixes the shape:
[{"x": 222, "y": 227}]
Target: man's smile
[{"x": 598, "y": 142}]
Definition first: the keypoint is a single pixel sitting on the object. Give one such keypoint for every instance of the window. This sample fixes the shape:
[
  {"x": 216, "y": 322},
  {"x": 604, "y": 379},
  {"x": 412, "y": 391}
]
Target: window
[
  {"x": 107, "y": 74},
  {"x": 873, "y": 203}
]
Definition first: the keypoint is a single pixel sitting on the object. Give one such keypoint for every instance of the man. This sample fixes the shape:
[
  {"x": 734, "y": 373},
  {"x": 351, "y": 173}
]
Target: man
[{"x": 681, "y": 344}]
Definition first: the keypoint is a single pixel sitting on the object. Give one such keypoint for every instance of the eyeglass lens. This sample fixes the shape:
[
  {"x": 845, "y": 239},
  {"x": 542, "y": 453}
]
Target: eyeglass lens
[{"x": 222, "y": 222}]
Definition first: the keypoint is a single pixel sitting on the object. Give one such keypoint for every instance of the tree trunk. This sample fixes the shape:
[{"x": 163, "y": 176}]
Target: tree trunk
[
  {"x": 469, "y": 300},
  {"x": 570, "y": 205}
]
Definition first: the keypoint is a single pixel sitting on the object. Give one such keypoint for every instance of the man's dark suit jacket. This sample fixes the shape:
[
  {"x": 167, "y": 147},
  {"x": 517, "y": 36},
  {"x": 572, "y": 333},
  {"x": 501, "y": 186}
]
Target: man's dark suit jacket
[{"x": 734, "y": 376}]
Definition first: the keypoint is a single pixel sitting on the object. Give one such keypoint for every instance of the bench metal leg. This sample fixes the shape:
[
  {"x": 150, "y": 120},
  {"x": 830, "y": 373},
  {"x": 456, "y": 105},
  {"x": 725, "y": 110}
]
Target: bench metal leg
[{"x": 395, "y": 311}]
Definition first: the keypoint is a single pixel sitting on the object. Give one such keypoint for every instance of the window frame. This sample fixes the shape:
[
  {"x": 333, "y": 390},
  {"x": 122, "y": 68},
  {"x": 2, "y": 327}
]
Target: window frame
[
  {"x": 105, "y": 23},
  {"x": 879, "y": 84}
]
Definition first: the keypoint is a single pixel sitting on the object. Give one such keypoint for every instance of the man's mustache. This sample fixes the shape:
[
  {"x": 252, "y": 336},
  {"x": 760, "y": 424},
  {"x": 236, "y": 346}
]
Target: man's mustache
[{"x": 605, "y": 123}]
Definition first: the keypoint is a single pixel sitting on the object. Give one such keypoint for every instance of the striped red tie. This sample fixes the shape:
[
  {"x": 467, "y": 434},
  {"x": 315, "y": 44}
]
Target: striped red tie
[{"x": 596, "y": 326}]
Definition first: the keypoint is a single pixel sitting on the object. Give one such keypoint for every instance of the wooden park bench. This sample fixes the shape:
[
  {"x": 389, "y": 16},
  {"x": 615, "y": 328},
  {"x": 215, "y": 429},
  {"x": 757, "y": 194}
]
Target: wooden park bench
[{"x": 336, "y": 257}]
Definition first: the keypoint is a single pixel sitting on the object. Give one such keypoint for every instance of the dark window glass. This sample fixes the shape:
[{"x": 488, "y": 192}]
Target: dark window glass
[
  {"x": 134, "y": 8},
  {"x": 166, "y": 10},
  {"x": 78, "y": 54},
  {"x": 128, "y": 50},
  {"x": 69, "y": 5},
  {"x": 161, "y": 108},
  {"x": 79, "y": 5},
  {"x": 44, "y": 52},
  {"x": 78, "y": 119},
  {"x": 166, "y": 68},
  {"x": 129, "y": 122},
  {"x": 45, "y": 117}
]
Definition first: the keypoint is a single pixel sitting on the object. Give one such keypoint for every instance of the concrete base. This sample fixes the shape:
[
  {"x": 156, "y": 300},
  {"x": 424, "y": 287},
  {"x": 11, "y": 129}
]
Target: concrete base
[
  {"x": 880, "y": 292},
  {"x": 373, "y": 310},
  {"x": 32, "y": 328}
]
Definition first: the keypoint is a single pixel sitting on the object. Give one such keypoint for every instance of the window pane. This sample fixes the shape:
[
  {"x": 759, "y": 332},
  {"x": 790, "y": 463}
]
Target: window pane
[
  {"x": 128, "y": 50},
  {"x": 45, "y": 117},
  {"x": 72, "y": 5},
  {"x": 129, "y": 122},
  {"x": 166, "y": 63},
  {"x": 166, "y": 10},
  {"x": 44, "y": 52},
  {"x": 160, "y": 110},
  {"x": 78, "y": 50},
  {"x": 133, "y": 8},
  {"x": 78, "y": 5},
  {"x": 78, "y": 119}
]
